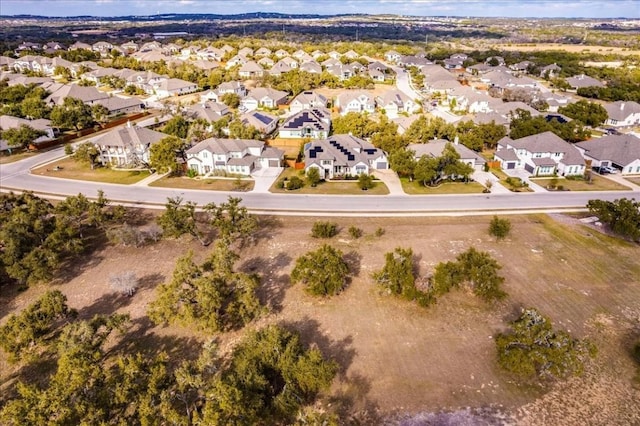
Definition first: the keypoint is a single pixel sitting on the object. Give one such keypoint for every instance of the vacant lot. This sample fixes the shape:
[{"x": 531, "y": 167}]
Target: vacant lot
[
  {"x": 572, "y": 48},
  {"x": 395, "y": 356}
]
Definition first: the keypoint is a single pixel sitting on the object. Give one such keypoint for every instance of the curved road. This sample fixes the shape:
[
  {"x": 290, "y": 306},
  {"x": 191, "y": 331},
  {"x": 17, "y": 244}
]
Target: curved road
[{"x": 16, "y": 176}]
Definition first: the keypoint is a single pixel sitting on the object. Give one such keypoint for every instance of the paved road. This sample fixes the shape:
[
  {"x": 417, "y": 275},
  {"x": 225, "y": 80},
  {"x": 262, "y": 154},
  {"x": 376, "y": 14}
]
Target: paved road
[{"x": 17, "y": 176}]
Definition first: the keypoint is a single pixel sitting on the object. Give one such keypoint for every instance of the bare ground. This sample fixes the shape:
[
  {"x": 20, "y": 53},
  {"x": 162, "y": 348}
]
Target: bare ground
[{"x": 411, "y": 364}]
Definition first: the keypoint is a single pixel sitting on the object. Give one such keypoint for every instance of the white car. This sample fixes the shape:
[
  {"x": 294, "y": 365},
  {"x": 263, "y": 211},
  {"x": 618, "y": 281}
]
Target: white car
[{"x": 607, "y": 169}]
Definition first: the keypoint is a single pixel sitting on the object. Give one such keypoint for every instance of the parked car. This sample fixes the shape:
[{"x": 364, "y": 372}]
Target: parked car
[
  {"x": 611, "y": 131},
  {"x": 607, "y": 169}
]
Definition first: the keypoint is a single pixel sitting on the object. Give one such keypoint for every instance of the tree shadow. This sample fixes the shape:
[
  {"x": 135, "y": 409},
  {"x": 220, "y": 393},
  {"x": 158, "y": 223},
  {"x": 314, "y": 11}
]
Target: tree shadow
[
  {"x": 273, "y": 283},
  {"x": 351, "y": 401},
  {"x": 110, "y": 302},
  {"x": 354, "y": 261},
  {"x": 268, "y": 228}
]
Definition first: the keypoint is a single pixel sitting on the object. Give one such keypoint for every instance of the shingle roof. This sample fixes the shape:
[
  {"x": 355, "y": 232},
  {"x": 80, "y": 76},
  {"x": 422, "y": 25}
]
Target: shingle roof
[
  {"x": 345, "y": 150},
  {"x": 620, "y": 110},
  {"x": 224, "y": 146},
  {"x": 129, "y": 136},
  {"x": 621, "y": 149},
  {"x": 436, "y": 147},
  {"x": 549, "y": 142}
]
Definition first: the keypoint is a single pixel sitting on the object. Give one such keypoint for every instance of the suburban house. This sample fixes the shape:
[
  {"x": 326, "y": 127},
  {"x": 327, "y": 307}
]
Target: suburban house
[
  {"x": 579, "y": 81},
  {"x": 266, "y": 62},
  {"x": 128, "y": 146},
  {"x": 395, "y": 102},
  {"x": 464, "y": 98},
  {"x": 263, "y": 97},
  {"x": 235, "y": 87},
  {"x": 117, "y": 105},
  {"x": 279, "y": 68},
  {"x": 10, "y": 122},
  {"x": 237, "y": 156},
  {"x": 623, "y": 113},
  {"x": 263, "y": 51},
  {"x": 503, "y": 112},
  {"x": 355, "y": 101},
  {"x": 209, "y": 111},
  {"x": 174, "y": 87},
  {"x": 307, "y": 100},
  {"x": 265, "y": 123},
  {"x": 342, "y": 155},
  {"x": 392, "y": 56},
  {"x": 544, "y": 154},
  {"x": 87, "y": 94},
  {"x": 404, "y": 123},
  {"x": 250, "y": 69},
  {"x": 311, "y": 67},
  {"x": 550, "y": 71},
  {"x": 245, "y": 51},
  {"x": 309, "y": 123},
  {"x": 436, "y": 147},
  {"x": 522, "y": 66},
  {"x": 619, "y": 151}
]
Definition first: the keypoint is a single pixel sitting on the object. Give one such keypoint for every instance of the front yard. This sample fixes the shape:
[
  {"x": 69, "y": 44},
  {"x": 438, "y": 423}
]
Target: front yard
[
  {"x": 340, "y": 187},
  {"x": 513, "y": 184},
  {"x": 635, "y": 179},
  {"x": 416, "y": 188},
  {"x": 208, "y": 184},
  {"x": 68, "y": 168},
  {"x": 598, "y": 183}
]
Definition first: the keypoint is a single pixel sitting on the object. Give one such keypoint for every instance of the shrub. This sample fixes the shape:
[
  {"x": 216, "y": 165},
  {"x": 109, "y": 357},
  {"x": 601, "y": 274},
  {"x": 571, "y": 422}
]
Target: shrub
[
  {"x": 365, "y": 181},
  {"x": 380, "y": 232},
  {"x": 68, "y": 149},
  {"x": 324, "y": 229},
  {"x": 499, "y": 228},
  {"x": 313, "y": 176},
  {"x": 355, "y": 232},
  {"x": 295, "y": 183}
]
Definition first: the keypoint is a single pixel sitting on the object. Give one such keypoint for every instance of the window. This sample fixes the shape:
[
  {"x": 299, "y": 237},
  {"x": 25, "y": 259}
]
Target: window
[{"x": 205, "y": 154}]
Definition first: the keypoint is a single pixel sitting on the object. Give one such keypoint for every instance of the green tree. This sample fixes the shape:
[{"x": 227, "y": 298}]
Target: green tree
[
  {"x": 397, "y": 276},
  {"x": 87, "y": 153},
  {"x": 21, "y": 137},
  {"x": 179, "y": 219},
  {"x": 534, "y": 349},
  {"x": 323, "y": 272},
  {"x": 72, "y": 114},
  {"x": 177, "y": 126},
  {"x": 211, "y": 296},
  {"x": 22, "y": 335},
  {"x": 365, "y": 181},
  {"x": 232, "y": 220},
  {"x": 231, "y": 100},
  {"x": 324, "y": 229},
  {"x": 499, "y": 228},
  {"x": 352, "y": 123},
  {"x": 163, "y": 156},
  {"x": 590, "y": 113},
  {"x": 426, "y": 170},
  {"x": 313, "y": 176},
  {"x": 403, "y": 162},
  {"x": 100, "y": 113},
  {"x": 33, "y": 107},
  {"x": 424, "y": 129},
  {"x": 621, "y": 215}
]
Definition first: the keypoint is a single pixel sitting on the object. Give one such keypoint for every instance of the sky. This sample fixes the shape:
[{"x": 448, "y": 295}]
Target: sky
[{"x": 492, "y": 8}]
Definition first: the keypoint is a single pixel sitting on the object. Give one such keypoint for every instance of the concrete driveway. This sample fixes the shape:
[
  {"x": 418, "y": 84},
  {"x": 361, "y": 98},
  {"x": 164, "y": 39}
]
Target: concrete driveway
[
  {"x": 264, "y": 178},
  {"x": 391, "y": 179},
  {"x": 496, "y": 187},
  {"x": 524, "y": 175}
]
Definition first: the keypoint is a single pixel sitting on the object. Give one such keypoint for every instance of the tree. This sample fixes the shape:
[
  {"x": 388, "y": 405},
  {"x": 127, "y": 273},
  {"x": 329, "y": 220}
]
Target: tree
[
  {"x": 270, "y": 377},
  {"x": 125, "y": 282},
  {"x": 499, "y": 228},
  {"x": 426, "y": 170},
  {"x": 423, "y": 130},
  {"x": 621, "y": 215},
  {"x": 72, "y": 114},
  {"x": 323, "y": 272},
  {"x": 163, "y": 155},
  {"x": 478, "y": 269},
  {"x": 324, "y": 229},
  {"x": 365, "y": 181},
  {"x": 403, "y": 162},
  {"x": 313, "y": 176},
  {"x": 534, "y": 349},
  {"x": 179, "y": 219},
  {"x": 352, "y": 123},
  {"x": 232, "y": 100},
  {"x": 397, "y": 276},
  {"x": 87, "y": 152},
  {"x": 231, "y": 220},
  {"x": 21, "y": 137},
  {"x": 99, "y": 113},
  {"x": 21, "y": 335},
  {"x": 177, "y": 126},
  {"x": 211, "y": 296},
  {"x": 33, "y": 107},
  {"x": 590, "y": 113}
]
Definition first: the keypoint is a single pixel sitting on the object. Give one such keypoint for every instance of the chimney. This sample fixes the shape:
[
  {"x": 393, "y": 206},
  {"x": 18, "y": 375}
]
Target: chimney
[
  {"x": 456, "y": 140},
  {"x": 622, "y": 106}
]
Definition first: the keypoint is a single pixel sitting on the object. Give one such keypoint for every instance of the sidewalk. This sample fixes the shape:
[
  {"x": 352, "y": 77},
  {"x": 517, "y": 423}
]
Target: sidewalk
[{"x": 151, "y": 178}]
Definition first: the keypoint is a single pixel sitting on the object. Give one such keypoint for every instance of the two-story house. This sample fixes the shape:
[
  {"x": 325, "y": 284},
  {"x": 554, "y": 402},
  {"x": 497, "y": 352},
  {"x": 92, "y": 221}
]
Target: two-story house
[
  {"x": 234, "y": 156},
  {"x": 355, "y": 101}
]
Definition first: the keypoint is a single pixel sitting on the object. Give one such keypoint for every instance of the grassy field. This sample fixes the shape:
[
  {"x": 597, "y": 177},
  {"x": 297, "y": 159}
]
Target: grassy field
[
  {"x": 205, "y": 184},
  {"x": 68, "y": 168},
  {"x": 598, "y": 183},
  {"x": 328, "y": 187},
  {"x": 416, "y": 188},
  {"x": 635, "y": 180},
  {"x": 396, "y": 357},
  {"x": 5, "y": 159}
]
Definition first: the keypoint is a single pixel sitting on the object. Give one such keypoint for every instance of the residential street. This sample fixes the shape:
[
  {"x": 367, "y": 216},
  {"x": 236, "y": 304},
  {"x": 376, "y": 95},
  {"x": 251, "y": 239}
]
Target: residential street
[{"x": 16, "y": 176}]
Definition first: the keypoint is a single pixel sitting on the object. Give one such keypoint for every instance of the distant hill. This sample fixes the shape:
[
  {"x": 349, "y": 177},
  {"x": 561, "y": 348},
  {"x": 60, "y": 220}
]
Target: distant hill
[{"x": 185, "y": 16}]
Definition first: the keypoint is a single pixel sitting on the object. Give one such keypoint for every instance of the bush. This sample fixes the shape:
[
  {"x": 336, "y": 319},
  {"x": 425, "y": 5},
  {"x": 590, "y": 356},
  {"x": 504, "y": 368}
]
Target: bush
[
  {"x": 295, "y": 183},
  {"x": 365, "y": 181},
  {"x": 499, "y": 228},
  {"x": 192, "y": 173},
  {"x": 380, "y": 232},
  {"x": 68, "y": 149},
  {"x": 324, "y": 229},
  {"x": 324, "y": 272},
  {"x": 355, "y": 232},
  {"x": 313, "y": 176}
]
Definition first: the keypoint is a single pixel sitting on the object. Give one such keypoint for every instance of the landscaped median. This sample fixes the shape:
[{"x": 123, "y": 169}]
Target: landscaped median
[
  {"x": 330, "y": 187},
  {"x": 208, "y": 184},
  {"x": 597, "y": 183},
  {"x": 68, "y": 168}
]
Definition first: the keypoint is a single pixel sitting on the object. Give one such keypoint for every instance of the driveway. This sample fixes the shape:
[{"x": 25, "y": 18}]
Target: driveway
[
  {"x": 391, "y": 179},
  {"x": 524, "y": 175},
  {"x": 496, "y": 187},
  {"x": 264, "y": 178},
  {"x": 619, "y": 178}
]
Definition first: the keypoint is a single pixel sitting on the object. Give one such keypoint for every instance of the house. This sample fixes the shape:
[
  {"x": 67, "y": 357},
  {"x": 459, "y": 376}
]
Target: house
[
  {"x": 246, "y": 52},
  {"x": 10, "y": 122},
  {"x": 263, "y": 51},
  {"x": 103, "y": 47},
  {"x": 211, "y": 53},
  {"x": 619, "y": 151},
  {"x": 317, "y": 53},
  {"x": 237, "y": 60},
  {"x": 117, "y": 105},
  {"x": 436, "y": 147},
  {"x": 250, "y": 69},
  {"x": 263, "y": 97},
  {"x": 130, "y": 47},
  {"x": 307, "y": 100},
  {"x": 544, "y": 154},
  {"x": 392, "y": 56},
  {"x": 279, "y": 68},
  {"x": 311, "y": 67},
  {"x": 292, "y": 63},
  {"x": 438, "y": 80},
  {"x": 87, "y": 94},
  {"x": 266, "y": 62},
  {"x": 236, "y": 87},
  {"x": 343, "y": 155},
  {"x": 174, "y": 87},
  {"x": 127, "y": 146},
  {"x": 623, "y": 113},
  {"x": 522, "y": 66},
  {"x": 503, "y": 113},
  {"x": 236, "y": 156},
  {"x": 395, "y": 102},
  {"x": 502, "y": 79},
  {"x": 464, "y": 98},
  {"x": 281, "y": 53},
  {"x": 263, "y": 122},
  {"x": 550, "y": 71},
  {"x": 312, "y": 123},
  {"x": 579, "y": 81},
  {"x": 355, "y": 101},
  {"x": 79, "y": 45},
  {"x": 496, "y": 61},
  {"x": 351, "y": 54},
  {"x": 335, "y": 55},
  {"x": 404, "y": 123},
  {"x": 208, "y": 111}
]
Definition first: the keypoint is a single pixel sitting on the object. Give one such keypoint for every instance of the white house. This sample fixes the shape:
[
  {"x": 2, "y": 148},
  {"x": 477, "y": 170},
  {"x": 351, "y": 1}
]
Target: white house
[
  {"x": 307, "y": 100},
  {"x": 623, "y": 113},
  {"x": 342, "y": 155},
  {"x": 355, "y": 101},
  {"x": 309, "y": 123},
  {"x": 619, "y": 151},
  {"x": 262, "y": 121},
  {"x": 543, "y": 154},
  {"x": 174, "y": 87},
  {"x": 127, "y": 146},
  {"x": 263, "y": 97},
  {"x": 395, "y": 102},
  {"x": 235, "y": 156}
]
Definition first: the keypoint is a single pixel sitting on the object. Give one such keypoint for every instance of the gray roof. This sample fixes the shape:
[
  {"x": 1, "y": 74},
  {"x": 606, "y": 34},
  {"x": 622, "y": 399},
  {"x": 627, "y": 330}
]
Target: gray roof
[
  {"x": 435, "y": 148},
  {"x": 85, "y": 94},
  {"x": 620, "y": 110},
  {"x": 549, "y": 142},
  {"x": 506, "y": 155},
  {"x": 582, "y": 80},
  {"x": 224, "y": 146},
  {"x": 620, "y": 149},
  {"x": 129, "y": 136},
  {"x": 344, "y": 150},
  {"x": 315, "y": 118}
]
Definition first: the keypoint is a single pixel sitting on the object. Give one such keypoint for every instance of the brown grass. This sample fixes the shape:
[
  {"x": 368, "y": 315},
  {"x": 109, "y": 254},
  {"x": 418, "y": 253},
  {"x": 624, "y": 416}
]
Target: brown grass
[
  {"x": 328, "y": 187},
  {"x": 68, "y": 168},
  {"x": 414, "y": 187},
  {"x": 210, "y": 184},
  {"x": 598, "y": 183},
  {"x": 572, "y": 48}
]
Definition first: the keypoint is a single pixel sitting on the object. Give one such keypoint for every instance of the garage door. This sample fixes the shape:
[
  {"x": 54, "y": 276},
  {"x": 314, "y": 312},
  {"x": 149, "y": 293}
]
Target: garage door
[
  {"x": 529, "y": 168},
  {"x": 511, "y": 165},
  {"x": 274, "y": 163},
  {"x": 381, "y": 166}
]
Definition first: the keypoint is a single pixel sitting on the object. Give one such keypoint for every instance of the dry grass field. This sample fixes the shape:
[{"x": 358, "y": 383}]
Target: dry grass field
[
  {"x": 572, "y": 48},
  {"x": 397, "y": 359}
]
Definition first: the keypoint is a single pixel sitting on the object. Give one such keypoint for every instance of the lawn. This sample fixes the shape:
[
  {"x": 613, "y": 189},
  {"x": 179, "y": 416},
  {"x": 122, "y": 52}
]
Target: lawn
[
  {"x": 598, "y": 183},
  {"x": 513, "y": 184},
  {"x": 416, "y": 188},
  {"x": 205, "y": 184},
  {"x": 5, "y": 159},
  {"x": 68, "y": 168},
  {"x": 341, "y": 187},
  {"x": 635, "y": 180}
]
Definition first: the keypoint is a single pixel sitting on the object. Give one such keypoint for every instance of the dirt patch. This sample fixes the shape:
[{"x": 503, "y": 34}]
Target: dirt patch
[{"x": 397, "y": 358}]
